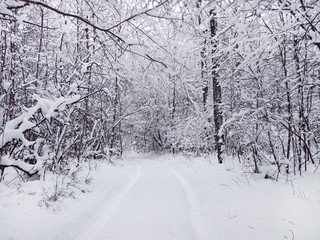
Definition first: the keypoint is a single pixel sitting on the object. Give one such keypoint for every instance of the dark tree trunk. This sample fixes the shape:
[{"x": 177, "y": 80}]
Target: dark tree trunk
[
  {"x": 217, "y": 97},
  {"x": 39, "y": 50},
  {"x": 205, "y": 86}
]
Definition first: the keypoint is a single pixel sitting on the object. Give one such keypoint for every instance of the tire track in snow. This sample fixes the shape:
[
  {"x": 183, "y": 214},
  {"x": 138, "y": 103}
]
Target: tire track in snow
[
  {"x": 194, "y": 206},
  {"x": 110, "y": 208}
]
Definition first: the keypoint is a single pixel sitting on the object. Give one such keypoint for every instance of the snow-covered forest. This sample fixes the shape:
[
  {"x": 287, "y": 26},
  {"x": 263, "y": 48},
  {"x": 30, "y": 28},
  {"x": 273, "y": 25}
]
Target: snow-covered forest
[{"x": 84, "y": 82}]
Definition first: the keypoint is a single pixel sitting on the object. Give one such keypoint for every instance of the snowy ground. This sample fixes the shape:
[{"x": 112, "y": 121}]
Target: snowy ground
[{"x": 164, "y": 198}]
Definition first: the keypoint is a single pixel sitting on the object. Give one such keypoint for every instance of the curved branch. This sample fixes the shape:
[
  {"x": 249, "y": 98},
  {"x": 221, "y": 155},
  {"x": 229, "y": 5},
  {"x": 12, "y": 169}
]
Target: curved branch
[
  {"x": 138, "y": 14},
  {"x": 19, "y": 168},
  {"x": 86, "y": 21}
]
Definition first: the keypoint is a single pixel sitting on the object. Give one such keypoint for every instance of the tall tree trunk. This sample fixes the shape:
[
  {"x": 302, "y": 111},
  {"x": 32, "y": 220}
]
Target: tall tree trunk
[
  {"x": 217, "y": 95},
  {"x": 205, "y": 82},
  {"x": 114, "y": 117},
  {"x": 39, "y": 50},
  {"x": 3, "y": 38},
  {"x": 173, "y": 110},
  {"x": 13, "y": 68},
  {"x": 300, "y": 101}
]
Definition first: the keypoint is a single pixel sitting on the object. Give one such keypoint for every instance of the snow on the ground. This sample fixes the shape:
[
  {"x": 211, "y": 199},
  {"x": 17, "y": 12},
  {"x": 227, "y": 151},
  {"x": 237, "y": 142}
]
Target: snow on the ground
[{"x": 163, "y": 198}]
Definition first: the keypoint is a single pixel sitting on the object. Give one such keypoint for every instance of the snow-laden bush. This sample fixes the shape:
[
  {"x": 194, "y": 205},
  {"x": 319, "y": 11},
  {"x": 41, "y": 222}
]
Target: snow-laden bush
[{"x": 35, "y": 141}]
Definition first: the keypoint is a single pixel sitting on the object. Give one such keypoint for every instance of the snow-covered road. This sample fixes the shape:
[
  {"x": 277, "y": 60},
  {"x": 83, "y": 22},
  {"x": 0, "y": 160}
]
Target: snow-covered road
[
  {"x": 157, "y": 204},
  {"x": 167, "y": 198}
]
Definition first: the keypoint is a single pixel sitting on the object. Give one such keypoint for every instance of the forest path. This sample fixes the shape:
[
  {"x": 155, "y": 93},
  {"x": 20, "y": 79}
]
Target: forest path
[
  {"x": 158, "y": 203},
  {"x": 152, "y": 197}
]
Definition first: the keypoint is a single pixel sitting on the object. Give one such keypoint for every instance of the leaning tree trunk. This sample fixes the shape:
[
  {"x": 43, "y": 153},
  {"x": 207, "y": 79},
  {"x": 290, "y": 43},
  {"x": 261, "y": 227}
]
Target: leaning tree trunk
[{"x": 217, "y": 97}]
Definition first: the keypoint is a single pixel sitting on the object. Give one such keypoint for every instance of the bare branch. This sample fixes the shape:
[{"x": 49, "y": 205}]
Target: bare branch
[
  {"x": 138, "y": 14},
  {"x": 19, "y": 168},
  {"x": 86, "y": 21},
  {"x": 27, "y": 22}
]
